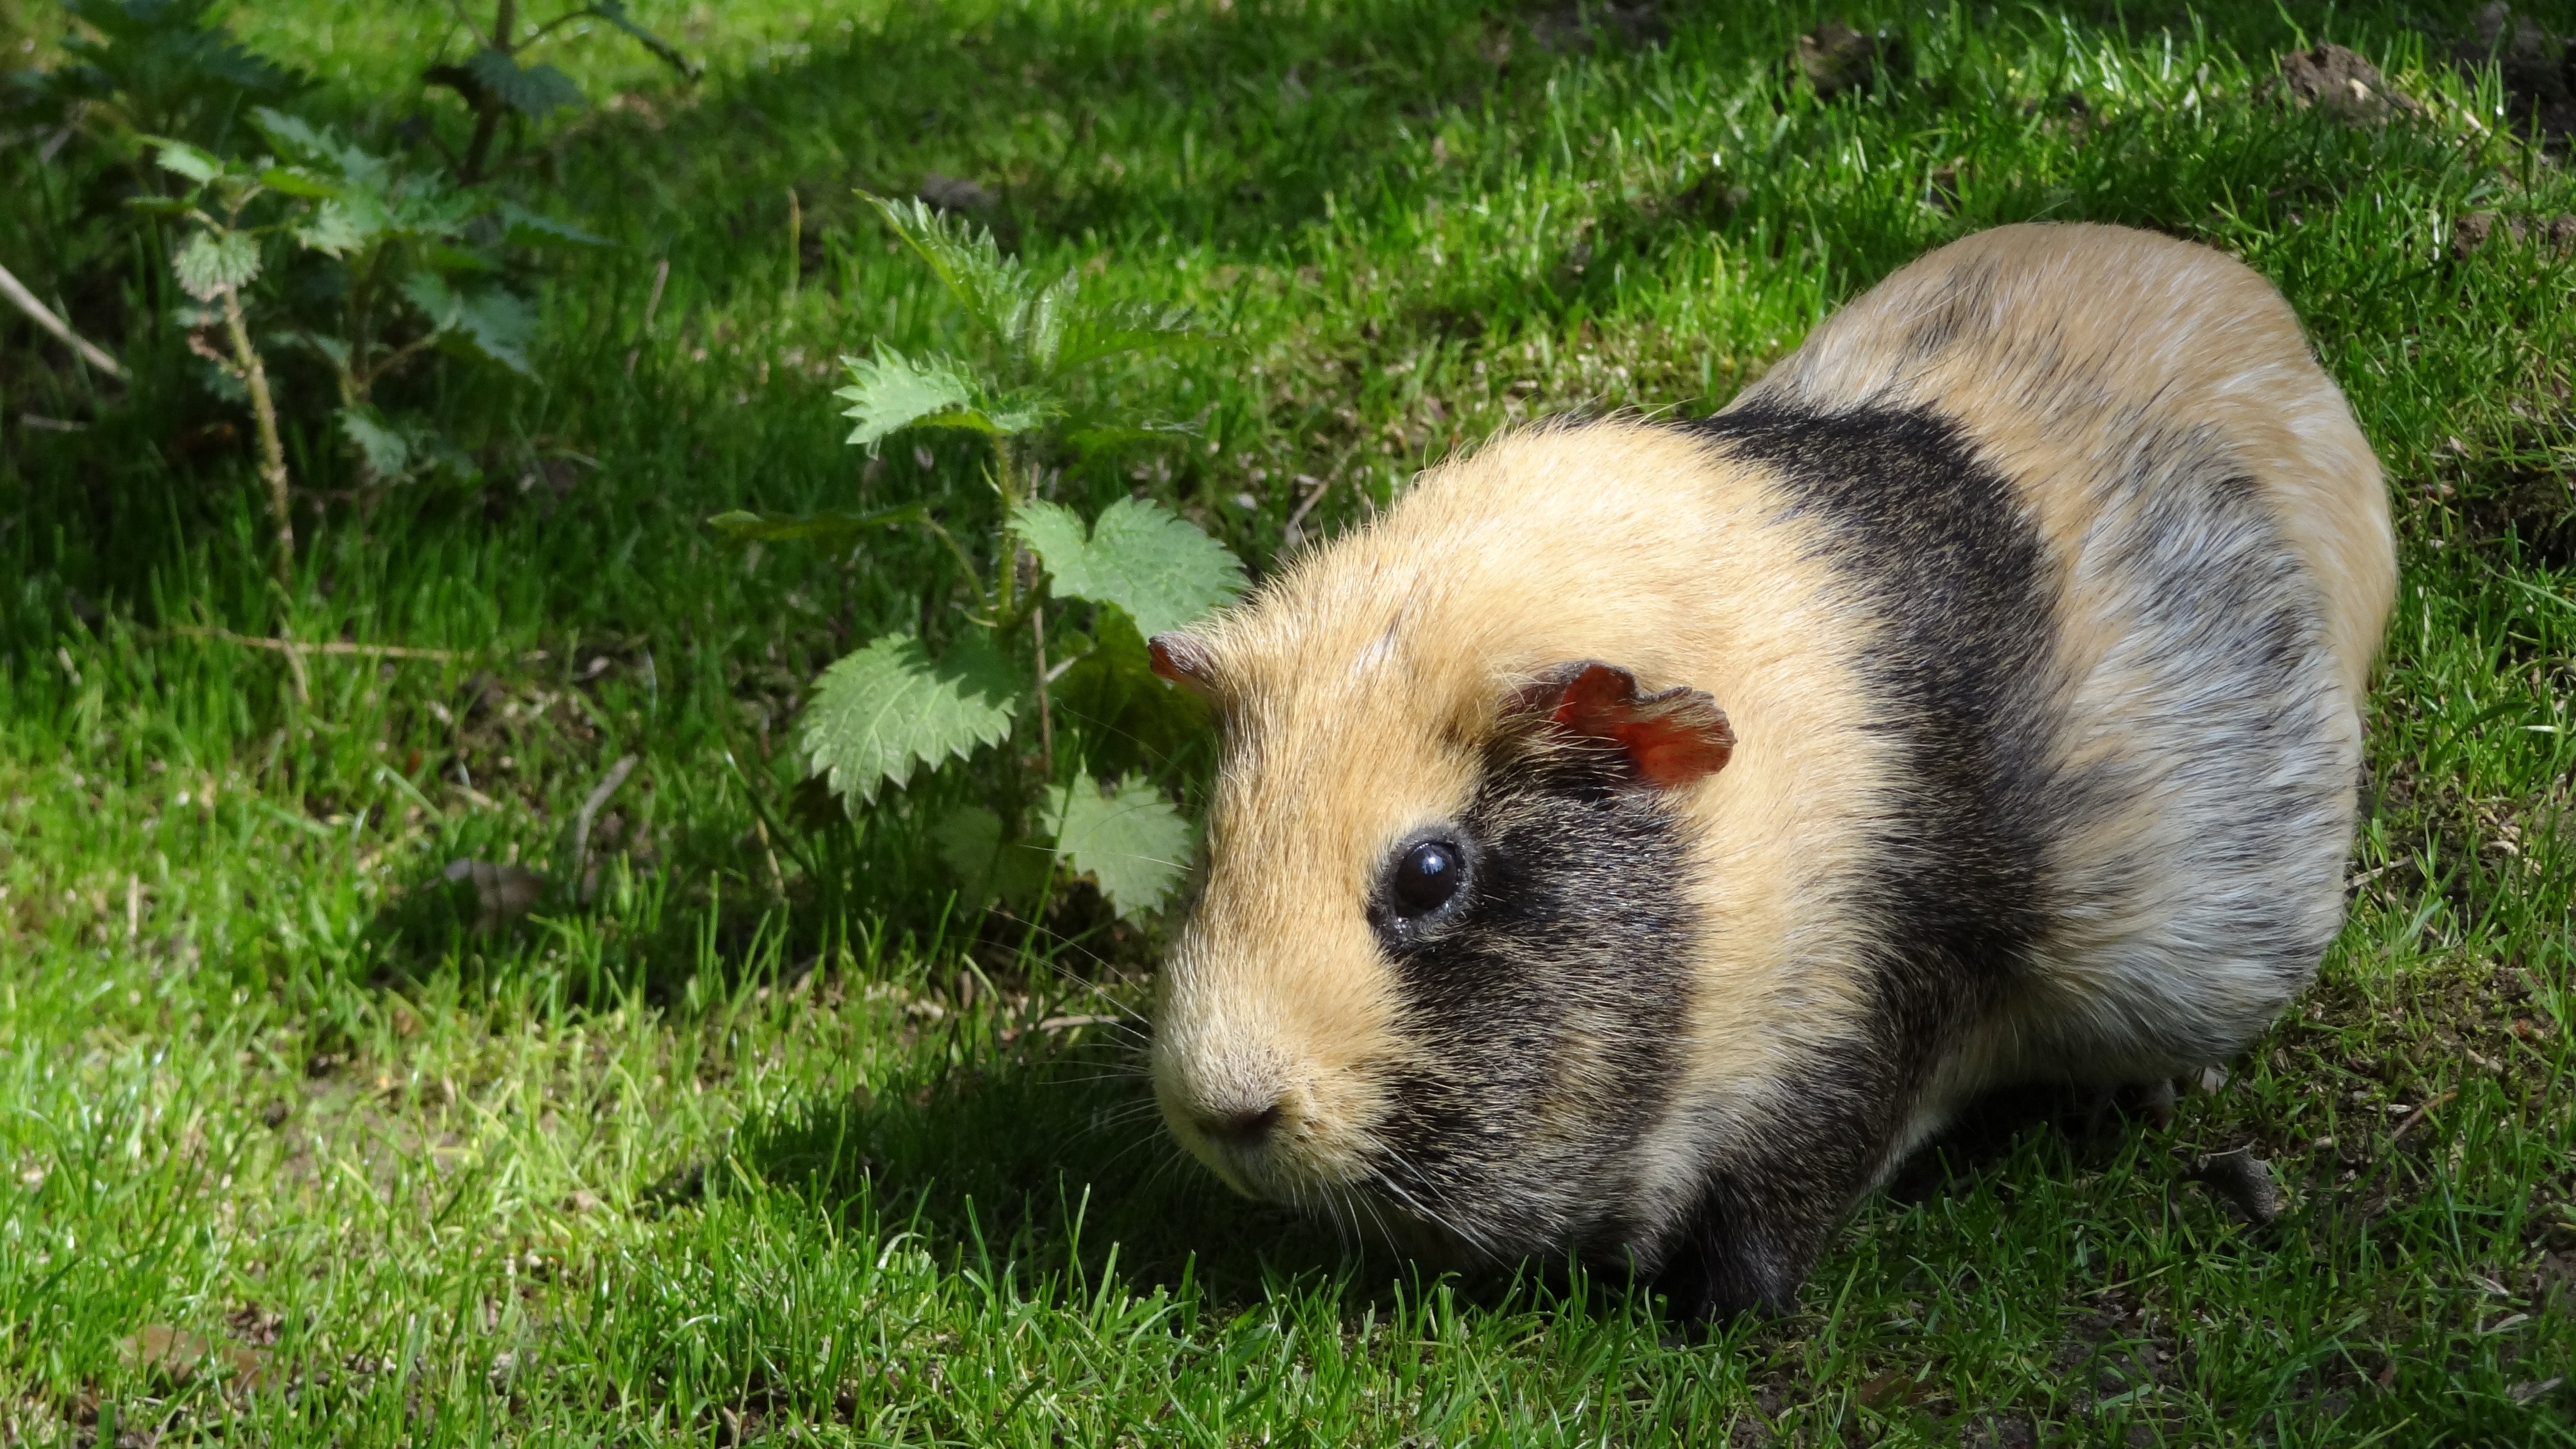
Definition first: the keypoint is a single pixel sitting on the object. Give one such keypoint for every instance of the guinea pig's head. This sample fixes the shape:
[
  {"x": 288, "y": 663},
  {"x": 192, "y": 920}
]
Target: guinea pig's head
[{"x": 1437, "y": 981}]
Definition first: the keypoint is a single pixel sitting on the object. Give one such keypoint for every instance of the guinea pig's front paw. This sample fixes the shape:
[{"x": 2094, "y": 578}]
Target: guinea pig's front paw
[{"x": 1725, "y": 1268}]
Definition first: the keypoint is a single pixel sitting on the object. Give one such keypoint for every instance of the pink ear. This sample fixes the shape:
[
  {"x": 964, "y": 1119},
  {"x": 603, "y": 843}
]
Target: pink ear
[
  {"x": 1184, "y": 661},
  {"x": 1672, "y": 737}
]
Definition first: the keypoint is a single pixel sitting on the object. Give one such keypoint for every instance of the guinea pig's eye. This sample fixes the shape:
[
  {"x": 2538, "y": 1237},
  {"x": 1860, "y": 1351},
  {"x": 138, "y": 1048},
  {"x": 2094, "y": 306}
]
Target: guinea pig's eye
[{"x": 1426, "y": 877}]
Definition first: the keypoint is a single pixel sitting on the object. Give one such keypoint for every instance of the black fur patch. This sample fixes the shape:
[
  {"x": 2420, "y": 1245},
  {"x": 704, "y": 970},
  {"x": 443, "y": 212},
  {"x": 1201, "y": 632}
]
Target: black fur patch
[
  {"x": 1546, "y": 1004},
  {"x": 1936, "y": 544}
]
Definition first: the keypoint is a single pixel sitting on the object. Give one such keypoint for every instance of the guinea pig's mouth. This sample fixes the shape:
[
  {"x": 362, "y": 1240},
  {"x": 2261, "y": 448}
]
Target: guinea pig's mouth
[{"x": 1283, "y": 1154}]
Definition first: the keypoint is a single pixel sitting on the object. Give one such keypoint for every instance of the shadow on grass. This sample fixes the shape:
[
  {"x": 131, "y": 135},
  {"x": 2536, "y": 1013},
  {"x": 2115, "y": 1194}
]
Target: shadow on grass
[
  {"x": 1051, "y": 1164},
  {"x": 1044, "y": 1164}
]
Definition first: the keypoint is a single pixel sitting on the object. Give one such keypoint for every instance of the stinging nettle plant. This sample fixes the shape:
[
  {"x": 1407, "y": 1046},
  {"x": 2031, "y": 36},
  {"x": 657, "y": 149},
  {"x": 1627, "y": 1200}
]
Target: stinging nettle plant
[
  {"x": 897, "y": 705},
  {"x": 498, "y": 85},
  {"x": 409, "y": 263}
]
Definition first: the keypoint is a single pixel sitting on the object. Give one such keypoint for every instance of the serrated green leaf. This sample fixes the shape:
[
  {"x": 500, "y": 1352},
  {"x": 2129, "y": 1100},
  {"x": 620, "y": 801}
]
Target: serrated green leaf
[
  {"x": 988, "y": 866},
  {"x": 385, "y": 451},
  {"x": 834, "y": 525},
  {"x": 339, "y": 163},
  {"x": 522, "y": 227},
  {"x": 1057, "y": 536},
  {"x": 663, "y": 50},
  {"x": 1097, "y": 333},
  {"x": 889, "y": 392},
  {"x": 1024, "y": 411},
  {"x": 212, "y": 263},
  {"x": 1131, "y": 842},
  {"x": 292, "y": 134},
  {"x": 452, "y": 261},
  {"x": 499, "y": 322},
  {"x": 186, "y": 160},
  {"x": 437, "y": 301},
  {"x": 296, "y": 181},
  {"x": 884, "y": 711},
  {"x": 1140, "y": 556},
  {"x": 319, "y": 343},
  {"x": 1049, "y": 314},
  {"x": 994, "y": 290},
  {"x": 337, "y": 228},
  {"x": 531, "y": 90}
]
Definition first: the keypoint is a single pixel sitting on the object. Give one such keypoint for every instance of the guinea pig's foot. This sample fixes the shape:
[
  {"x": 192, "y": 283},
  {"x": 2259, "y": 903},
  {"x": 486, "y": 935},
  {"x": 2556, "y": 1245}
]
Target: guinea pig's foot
[
  {"x": 2151, "y": 1102},
  {"x": 1723, "y": 1270}
]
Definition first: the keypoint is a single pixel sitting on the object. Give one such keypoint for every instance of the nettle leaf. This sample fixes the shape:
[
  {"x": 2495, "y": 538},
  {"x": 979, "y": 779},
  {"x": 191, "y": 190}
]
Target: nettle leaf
[
  {"x": 338, "y": 227},
  {"x": 889, "y": 392},
  {"x": 363, "y": 211},
  {"x": 992, "y": 288},
  {"x": 178, "y": 156},
  {"x": 292, "y": 134},
  {"x": 491, "y": 319},
  {"x": 1042, "y": 323},
  {"x": 212, "y": 263},
  {"x": 988, "y": 866},
  {"x": 521, "y": 227},
  {"x": 313, "y": 145},
  {"x": 882, "y": 712},
  {"x": 1141, "y": 556},
  {"x": 321, "y": 344},
  {"x": 296, "y": 181},
  {"x": 1107, "y": 331},
  {"x": 499, "y": 323},
  {"x": 438, "y": 301},
  {"x": 663, "y": 50},
  {"x": 1056, "y": 535},
  {"x": 386, "y": 452},
  {"x": 530, "y": 90},
  {"x": 1131, "y": 842}
]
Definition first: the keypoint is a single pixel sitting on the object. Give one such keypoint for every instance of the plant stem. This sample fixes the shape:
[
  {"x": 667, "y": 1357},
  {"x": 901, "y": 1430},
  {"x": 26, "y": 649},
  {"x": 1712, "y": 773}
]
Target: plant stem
[
  {"x": 1006, "y": 481},
  {"x": 1046, "y": 718},
  {"x": 488, "y": 109},
  {"x": 795, "y": 242},
  {"x": 272, "y": 457},
  {"x": 974, "y": 579}
]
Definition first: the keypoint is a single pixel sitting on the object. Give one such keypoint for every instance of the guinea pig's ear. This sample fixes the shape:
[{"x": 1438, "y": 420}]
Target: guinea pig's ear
[
  {"x": 1672, "y": 737},
  {"x": 1185, "y": 662}
]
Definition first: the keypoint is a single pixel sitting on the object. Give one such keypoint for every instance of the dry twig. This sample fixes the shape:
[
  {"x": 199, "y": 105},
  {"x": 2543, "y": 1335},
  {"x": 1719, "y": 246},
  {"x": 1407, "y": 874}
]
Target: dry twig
[{"x": 43, "y": 316}]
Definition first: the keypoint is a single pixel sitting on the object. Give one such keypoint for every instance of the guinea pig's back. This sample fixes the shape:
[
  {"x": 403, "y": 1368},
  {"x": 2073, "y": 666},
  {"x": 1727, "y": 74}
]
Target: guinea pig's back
[
  {"x": 2081, "y": 359},
  {"x": 2212, "y": 566}
]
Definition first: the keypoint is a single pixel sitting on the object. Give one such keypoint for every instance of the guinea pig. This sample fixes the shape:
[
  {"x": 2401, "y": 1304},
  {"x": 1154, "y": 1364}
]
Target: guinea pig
[{"x": 1641, "y": 836}]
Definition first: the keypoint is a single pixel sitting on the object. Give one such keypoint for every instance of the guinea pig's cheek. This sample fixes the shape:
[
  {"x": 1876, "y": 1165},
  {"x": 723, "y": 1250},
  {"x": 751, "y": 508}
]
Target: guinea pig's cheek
[{"x": 1323, "y": 1136}]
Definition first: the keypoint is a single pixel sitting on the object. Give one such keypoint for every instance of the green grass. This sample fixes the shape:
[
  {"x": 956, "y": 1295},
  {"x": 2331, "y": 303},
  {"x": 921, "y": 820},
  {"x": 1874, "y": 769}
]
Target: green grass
[{"x": 760, "y": 1140}]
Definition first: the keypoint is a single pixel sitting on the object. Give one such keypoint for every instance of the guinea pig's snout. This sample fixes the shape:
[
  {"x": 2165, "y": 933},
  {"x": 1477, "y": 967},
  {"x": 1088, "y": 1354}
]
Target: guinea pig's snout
[
  {"x": 1245, "y": 1118},
  {"x": 1245, "y": 1128}
]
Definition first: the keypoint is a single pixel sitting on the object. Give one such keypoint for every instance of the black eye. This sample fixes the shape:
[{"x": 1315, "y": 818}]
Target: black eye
[{"x": 1426, "y": 878}]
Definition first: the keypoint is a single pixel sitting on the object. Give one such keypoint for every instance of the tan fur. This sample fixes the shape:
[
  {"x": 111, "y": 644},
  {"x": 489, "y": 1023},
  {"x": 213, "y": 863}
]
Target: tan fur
[{"x": 1359, "y": 687}]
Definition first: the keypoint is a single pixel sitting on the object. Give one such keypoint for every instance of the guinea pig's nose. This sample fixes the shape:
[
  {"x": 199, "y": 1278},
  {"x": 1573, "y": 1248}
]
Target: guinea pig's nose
[{"x": 1247, "y": 1128}]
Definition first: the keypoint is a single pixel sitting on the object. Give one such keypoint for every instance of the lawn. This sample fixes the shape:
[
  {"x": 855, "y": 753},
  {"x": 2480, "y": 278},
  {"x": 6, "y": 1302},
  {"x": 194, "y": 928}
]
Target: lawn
[{"x": 757, "y": 1131}]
